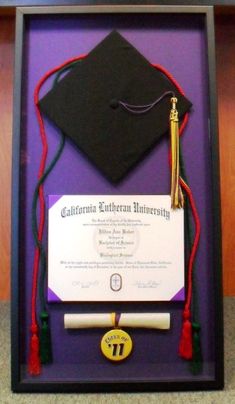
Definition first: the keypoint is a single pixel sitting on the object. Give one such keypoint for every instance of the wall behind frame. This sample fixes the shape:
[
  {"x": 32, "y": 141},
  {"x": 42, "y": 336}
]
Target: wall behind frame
[
  {"x": 7, "y": 27},
  {"x": 225, "y": 53},
  {"x": 225, "y": 49}
]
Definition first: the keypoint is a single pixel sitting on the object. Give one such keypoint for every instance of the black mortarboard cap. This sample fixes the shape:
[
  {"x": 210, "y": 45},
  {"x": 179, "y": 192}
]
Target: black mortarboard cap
[{"x": 85, "y": 105}]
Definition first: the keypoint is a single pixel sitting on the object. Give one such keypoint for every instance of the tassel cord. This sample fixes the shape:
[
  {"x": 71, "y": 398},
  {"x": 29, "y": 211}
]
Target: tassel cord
[
  {"x": 186, "y": 340},
  {"x": 190, "y": 341},
  {"x": 196, "y": 365},
  {"x": 40, "y": 182},
  {"x": 40, "y": 175},
  {"x": 34, "y": 365},
  {"x": 189, "y": 194},
  {"x": 195, "y": 242},
  {"x": 143, "y": 109},
  {"x": 189, "y": 239},
  {"x": 37, "y": 239}
]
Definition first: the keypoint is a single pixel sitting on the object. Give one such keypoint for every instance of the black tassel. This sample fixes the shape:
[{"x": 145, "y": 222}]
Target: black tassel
[
  {"x": 45, "y": 339},
  {"x": 196, "y": 364}
]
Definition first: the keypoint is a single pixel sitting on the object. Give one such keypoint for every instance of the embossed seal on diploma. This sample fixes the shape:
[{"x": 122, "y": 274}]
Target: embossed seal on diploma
[{"x": 116, "y": 282}]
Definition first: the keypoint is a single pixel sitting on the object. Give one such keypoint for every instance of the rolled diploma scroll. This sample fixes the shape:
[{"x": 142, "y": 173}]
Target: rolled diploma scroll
[{"x": 103, "y": 320}]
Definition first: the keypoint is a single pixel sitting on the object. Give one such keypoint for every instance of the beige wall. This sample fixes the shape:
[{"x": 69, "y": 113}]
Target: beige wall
[{"x": 6, "y": 81}]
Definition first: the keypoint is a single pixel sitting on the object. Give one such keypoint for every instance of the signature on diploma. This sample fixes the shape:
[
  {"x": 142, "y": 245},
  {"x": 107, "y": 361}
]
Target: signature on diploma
[
  {"x": 150, "y": 284},
  {"x": 85, "y": 285}
]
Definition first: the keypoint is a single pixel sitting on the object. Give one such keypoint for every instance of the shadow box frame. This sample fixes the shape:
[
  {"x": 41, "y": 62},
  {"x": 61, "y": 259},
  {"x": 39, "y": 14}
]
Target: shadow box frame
[{"x": 20, "y": 382}]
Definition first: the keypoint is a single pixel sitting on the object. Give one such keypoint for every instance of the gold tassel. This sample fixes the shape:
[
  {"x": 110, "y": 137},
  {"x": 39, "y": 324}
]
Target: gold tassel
[{"x": 177, "y": 198}]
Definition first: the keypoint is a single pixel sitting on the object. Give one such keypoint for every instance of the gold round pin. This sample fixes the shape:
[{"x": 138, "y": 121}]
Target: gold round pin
[{"x": 116, "y": 345}]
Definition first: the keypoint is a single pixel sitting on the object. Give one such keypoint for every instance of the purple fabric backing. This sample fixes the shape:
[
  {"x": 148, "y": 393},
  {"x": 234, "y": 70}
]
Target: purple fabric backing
[
  {"x": 178, "y": 43},
  {"x": 51, "y": 296},
  {"x": 52, "y": 199},
  {"x": 180, "y": 295}
]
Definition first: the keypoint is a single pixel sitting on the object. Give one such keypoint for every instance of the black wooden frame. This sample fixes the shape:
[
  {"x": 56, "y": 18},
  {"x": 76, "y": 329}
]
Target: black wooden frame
[
  {"x": 23, "y": 3},
  {"x": 17, "y": 384}
]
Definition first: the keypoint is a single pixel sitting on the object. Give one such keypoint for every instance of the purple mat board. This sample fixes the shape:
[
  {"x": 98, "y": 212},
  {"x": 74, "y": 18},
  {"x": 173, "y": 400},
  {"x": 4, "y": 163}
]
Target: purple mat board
[{"x": 177, "y": 42}]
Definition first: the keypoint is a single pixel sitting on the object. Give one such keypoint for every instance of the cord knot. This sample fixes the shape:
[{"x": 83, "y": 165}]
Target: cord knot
[
  {"x": 196, "y": 327},
  {"x": 44, "y": 316}
]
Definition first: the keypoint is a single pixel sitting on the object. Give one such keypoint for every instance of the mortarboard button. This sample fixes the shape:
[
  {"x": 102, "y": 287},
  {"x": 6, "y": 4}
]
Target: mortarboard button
[
  {"x": 114, "y": 103},
  {"x": 86, "y": 106}
]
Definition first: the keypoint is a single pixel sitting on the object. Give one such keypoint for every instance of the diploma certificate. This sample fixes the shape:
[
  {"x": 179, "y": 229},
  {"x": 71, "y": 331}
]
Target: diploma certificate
[{"x": 115, "y": 248}]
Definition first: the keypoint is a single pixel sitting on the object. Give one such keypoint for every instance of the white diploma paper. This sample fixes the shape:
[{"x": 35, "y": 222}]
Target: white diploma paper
[{"x": 115, "y": 248}]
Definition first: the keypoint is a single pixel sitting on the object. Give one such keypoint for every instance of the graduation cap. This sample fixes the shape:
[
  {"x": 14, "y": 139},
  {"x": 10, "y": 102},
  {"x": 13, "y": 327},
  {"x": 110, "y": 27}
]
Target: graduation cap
[{"x": 114, "y": 105}]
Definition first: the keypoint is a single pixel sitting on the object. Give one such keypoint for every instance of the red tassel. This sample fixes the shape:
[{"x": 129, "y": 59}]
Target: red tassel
[
  {"x": 186, "y": 341},
  {"x": 34, "y": 365}
]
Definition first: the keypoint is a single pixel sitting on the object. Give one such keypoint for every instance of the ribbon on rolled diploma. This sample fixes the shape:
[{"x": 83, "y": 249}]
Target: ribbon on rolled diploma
[{"x": 102, "y": 320}]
